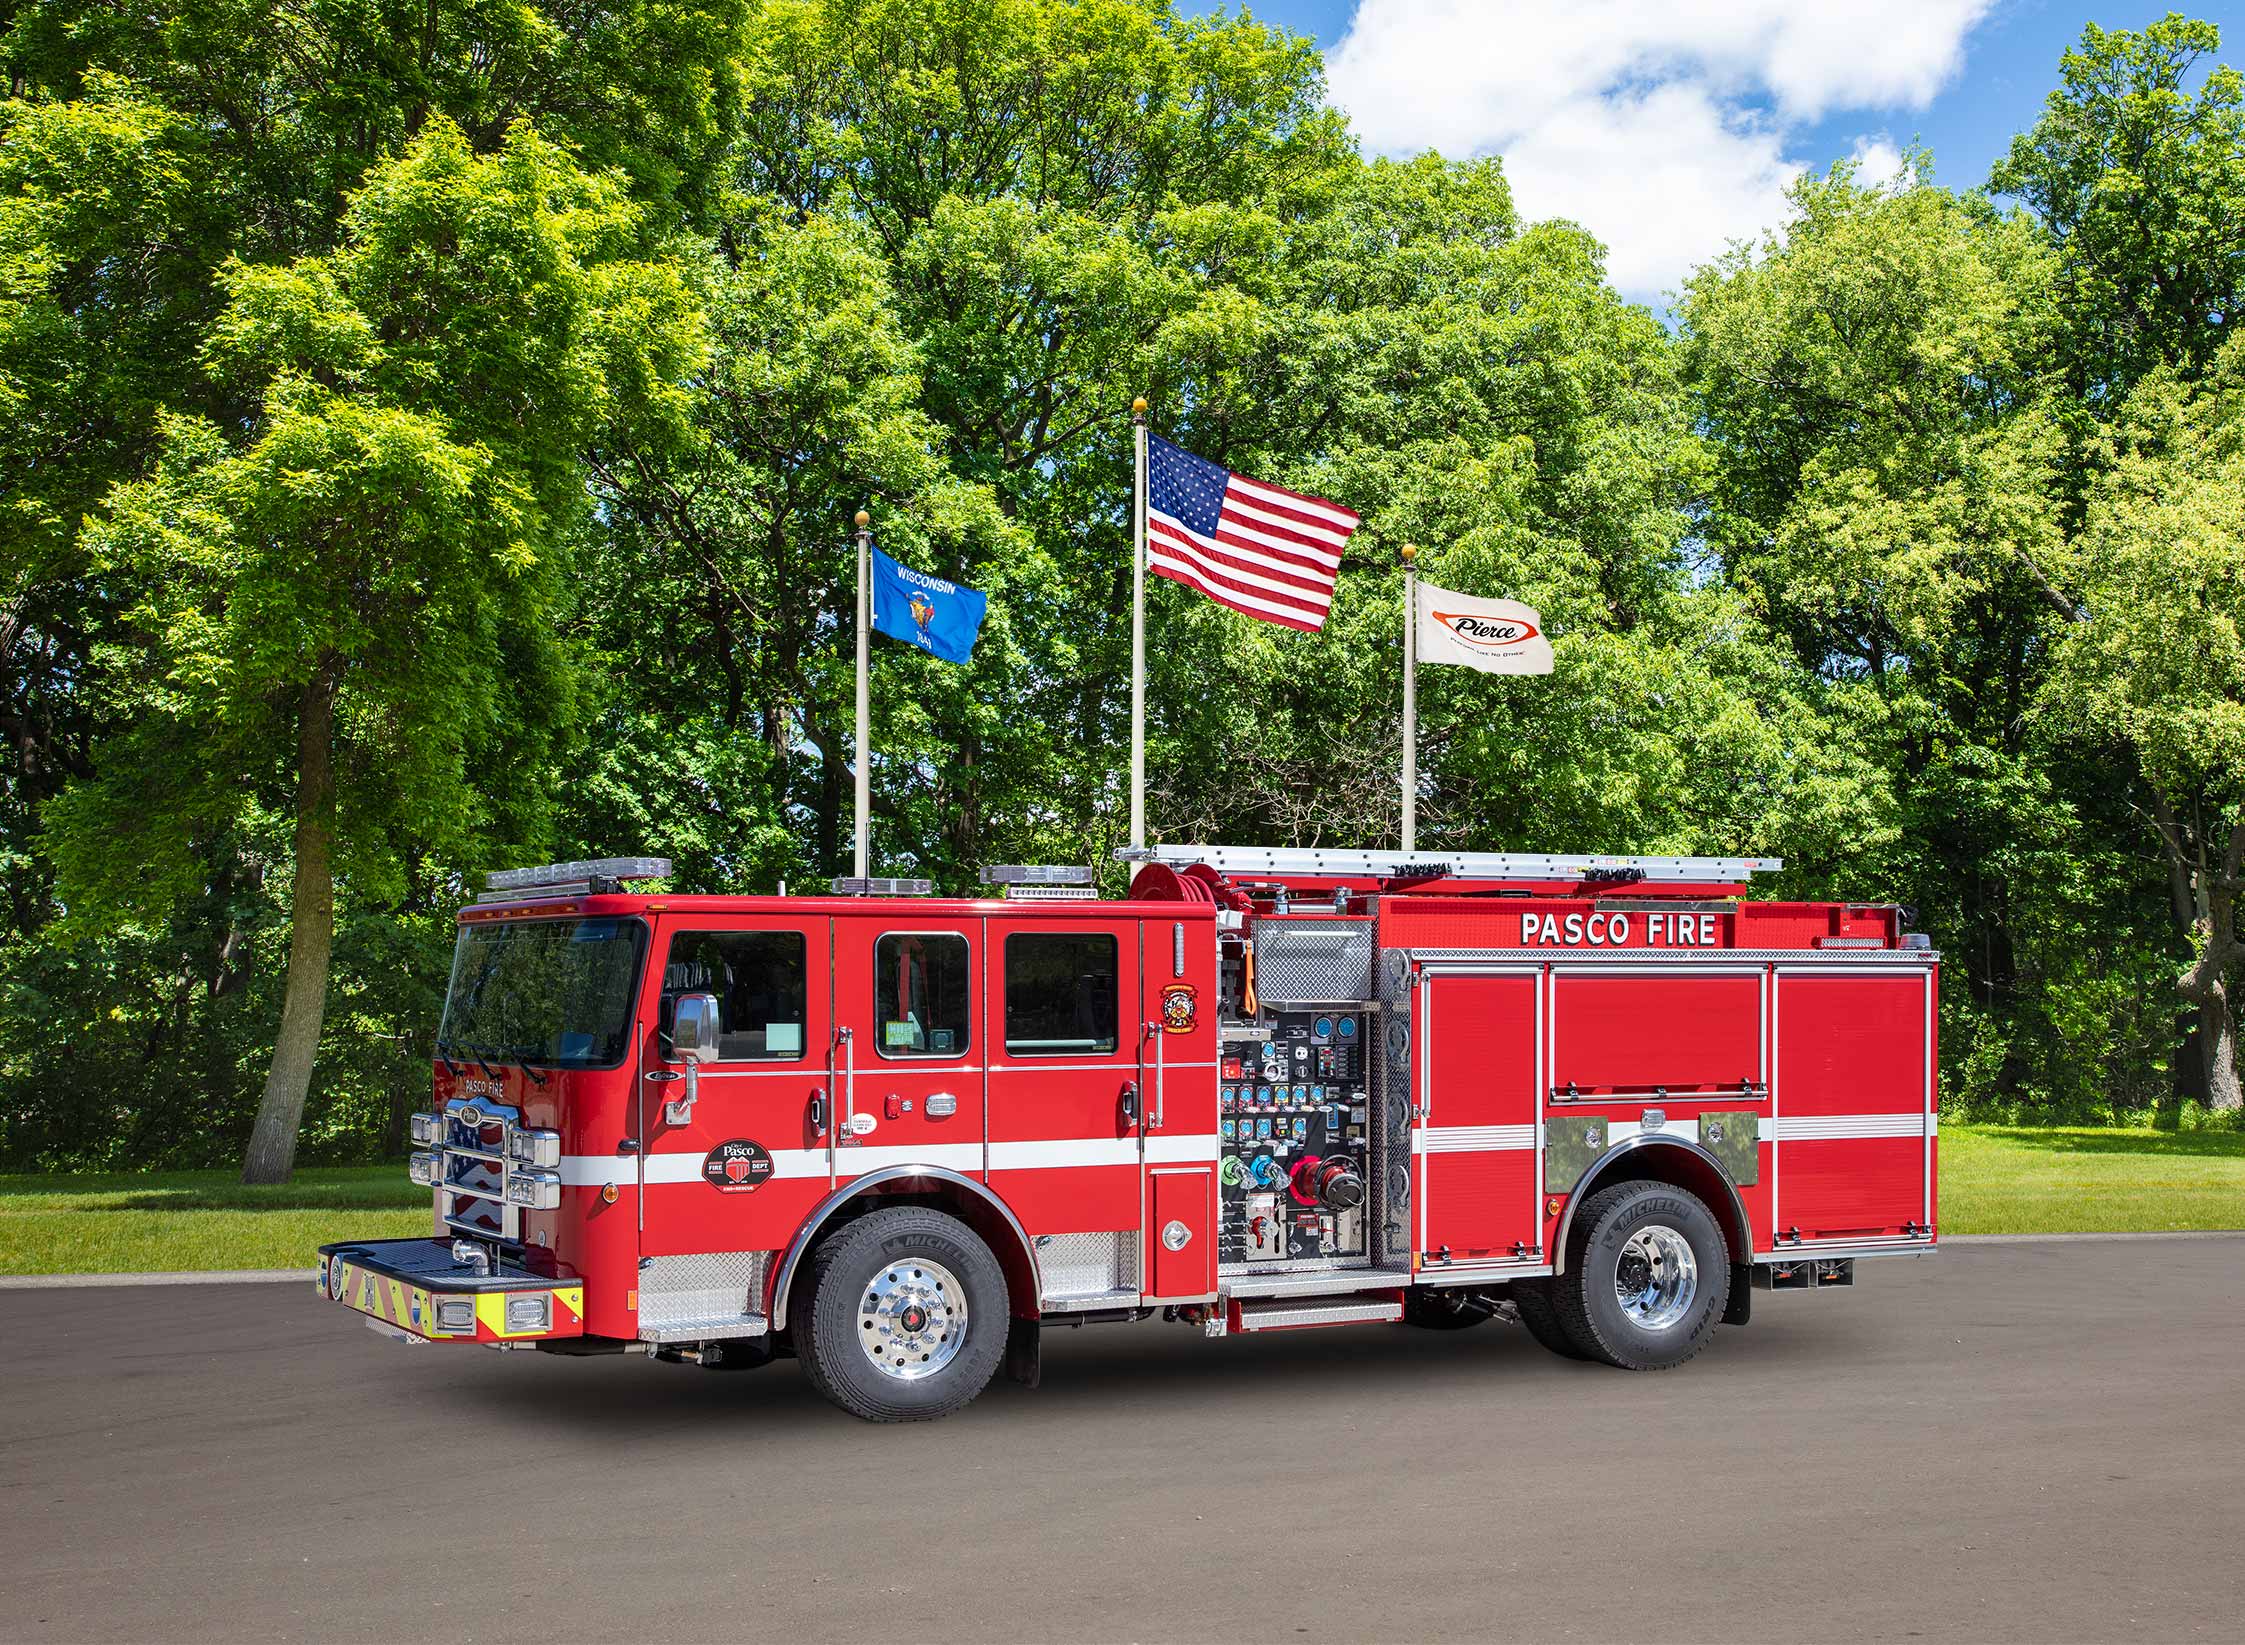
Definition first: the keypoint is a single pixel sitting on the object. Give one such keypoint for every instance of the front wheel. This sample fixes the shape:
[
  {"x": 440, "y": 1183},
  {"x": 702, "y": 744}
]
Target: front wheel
[
  {"x": 907, "y": 1316},
  {"x": 1647, "y": 1277}
]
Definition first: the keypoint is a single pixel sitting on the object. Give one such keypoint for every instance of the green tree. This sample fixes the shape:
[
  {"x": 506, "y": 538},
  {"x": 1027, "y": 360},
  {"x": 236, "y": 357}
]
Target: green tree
[
  {"x": 351, "y": 601},
  {"x": 1881, "y": 386},
  {"x": 2158, "y": 664},
  {"x": 2140, "y": 186}
]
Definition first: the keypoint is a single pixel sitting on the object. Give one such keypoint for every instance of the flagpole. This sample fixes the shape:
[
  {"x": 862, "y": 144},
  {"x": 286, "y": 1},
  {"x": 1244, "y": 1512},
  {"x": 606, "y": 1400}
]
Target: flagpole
[
  {"x": 864, "y": 704},
  {"x": 1138, "y": 628},
  {"x": 1410, "y": 554}
]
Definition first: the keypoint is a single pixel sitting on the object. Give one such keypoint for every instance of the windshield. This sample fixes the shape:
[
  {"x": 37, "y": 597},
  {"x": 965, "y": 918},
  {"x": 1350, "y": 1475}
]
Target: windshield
[{"x": 557, "y": 992}]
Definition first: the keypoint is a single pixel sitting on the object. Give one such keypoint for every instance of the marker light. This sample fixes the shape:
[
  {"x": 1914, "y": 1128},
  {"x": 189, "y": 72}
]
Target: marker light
[
  {"x": 423, "y": 1169},
  {"x": 456, "y": 1313}
]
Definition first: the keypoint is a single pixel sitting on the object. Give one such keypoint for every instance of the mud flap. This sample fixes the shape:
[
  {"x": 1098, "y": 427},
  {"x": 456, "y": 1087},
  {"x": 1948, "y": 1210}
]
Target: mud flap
[
  {"x": 1740, "y": 1308},
  {"x": 1024, "y": 1359}
]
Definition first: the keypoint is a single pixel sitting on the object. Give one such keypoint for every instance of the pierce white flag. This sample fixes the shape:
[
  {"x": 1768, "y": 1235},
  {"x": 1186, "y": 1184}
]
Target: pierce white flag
[{"x": 1495, "y": 636}]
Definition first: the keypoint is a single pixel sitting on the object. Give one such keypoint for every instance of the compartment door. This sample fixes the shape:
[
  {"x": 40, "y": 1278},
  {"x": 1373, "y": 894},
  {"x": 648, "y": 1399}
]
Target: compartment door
[
  {"x": 1853, "y": 1103},
  {"x": 1476, "y": 1159}
]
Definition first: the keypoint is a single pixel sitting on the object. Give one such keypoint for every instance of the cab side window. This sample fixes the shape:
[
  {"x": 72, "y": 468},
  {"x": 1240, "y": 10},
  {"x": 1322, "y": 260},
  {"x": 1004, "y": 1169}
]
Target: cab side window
[
  {"x": 760, "y": 980},
  {"x": 920, "y": 993},
  {"x": 1061, "y": 997}
]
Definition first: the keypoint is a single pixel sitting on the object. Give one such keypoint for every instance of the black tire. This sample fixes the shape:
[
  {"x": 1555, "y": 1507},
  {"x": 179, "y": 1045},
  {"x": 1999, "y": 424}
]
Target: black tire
[
  {"x": 1446, "y": 1310},
  {"x": 924, "y": 1254},
  {"x": 1588, "y": 1302},
  {"x": 1531, "y": 1300}
]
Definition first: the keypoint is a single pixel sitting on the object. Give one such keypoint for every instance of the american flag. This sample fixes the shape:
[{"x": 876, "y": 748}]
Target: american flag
[{"x": 1260, "y": 549}]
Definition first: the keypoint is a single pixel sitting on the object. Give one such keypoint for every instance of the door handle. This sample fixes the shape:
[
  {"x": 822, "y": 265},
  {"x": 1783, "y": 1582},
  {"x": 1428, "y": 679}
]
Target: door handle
[
  {"x": 818, "y": 1113},
  {"x": 1130, "y": 1102}
]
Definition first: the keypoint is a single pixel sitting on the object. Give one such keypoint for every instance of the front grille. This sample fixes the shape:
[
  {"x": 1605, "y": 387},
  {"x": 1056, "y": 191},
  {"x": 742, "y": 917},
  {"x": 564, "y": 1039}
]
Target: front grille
[{"x": 472, "y": 1181}]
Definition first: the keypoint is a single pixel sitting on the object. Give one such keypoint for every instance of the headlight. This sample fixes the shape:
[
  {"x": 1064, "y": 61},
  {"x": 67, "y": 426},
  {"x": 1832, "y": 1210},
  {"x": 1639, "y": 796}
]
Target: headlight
[
  {"x": 424, "y": 1130},
  {"x": 534, "y": 1190},
  {"x": 424, "y": 1169},
  {"x": 531, "y": 1312},
  {"x": 540, "y": 1148},
  {"x": 456, "y": 1313}
]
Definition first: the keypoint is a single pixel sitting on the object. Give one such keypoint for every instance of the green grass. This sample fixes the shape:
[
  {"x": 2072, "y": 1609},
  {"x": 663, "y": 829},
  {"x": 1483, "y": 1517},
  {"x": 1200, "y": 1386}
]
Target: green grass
[
  {"x": 1994, "y": 1180},
  {"x": 2000, "y": 1179},
  {"x": 198, "y": 1219}
]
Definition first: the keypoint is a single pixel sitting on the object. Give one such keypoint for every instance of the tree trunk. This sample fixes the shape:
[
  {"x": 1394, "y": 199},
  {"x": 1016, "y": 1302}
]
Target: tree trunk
[
  {"x": 2214, "y": 888},
  {"x": 2217, "y": 1042},
  {"x": 311, "y": 936}
]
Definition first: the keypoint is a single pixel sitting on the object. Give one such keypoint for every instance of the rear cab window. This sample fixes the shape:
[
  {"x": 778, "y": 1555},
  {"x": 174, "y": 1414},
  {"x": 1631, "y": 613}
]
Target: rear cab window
[
  {"x": 1062, "y": 994},
  {"x": 922, "y": 994}
]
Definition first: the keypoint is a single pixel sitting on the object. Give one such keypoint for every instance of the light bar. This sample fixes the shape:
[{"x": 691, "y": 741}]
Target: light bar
[
  {"x": 567, "y": 873},
  {"x": 875, "y": 887},
  {"x": 1467, "y": 865},
  {"x": 1037, "y": 873}
]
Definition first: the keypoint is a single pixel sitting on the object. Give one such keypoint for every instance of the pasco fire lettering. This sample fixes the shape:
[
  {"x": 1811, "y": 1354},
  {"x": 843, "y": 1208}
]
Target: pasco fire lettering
[{"x": 1604, "y": 930}]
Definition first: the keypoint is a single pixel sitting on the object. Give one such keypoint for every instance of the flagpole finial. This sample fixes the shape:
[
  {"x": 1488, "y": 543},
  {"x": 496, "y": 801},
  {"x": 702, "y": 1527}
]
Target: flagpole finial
[
  {"x": 1409, "y": 551},
  {"x": 1138, "y": 406},
  {"x": 863, "y": 519}
]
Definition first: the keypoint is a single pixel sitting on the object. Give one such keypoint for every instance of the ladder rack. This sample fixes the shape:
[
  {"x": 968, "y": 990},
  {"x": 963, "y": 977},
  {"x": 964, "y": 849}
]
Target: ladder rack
[{"x": 1284, "y": 861}]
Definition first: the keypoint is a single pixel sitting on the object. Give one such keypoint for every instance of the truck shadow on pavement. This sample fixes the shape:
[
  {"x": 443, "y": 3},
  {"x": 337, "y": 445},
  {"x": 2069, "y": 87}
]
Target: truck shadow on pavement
[{"x": 1091, "y": 1370}]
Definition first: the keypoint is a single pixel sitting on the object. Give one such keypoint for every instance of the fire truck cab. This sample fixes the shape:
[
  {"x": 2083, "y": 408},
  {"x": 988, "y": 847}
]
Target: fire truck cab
[{"x": 896, "y": 1135}]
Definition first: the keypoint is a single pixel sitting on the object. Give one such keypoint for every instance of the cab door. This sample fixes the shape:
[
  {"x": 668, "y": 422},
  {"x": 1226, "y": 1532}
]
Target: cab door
[
  {"x": 908, "y": 1051},
  {"x": 730, "y": 1180},
  {"x": 1066, "y": 1098}
]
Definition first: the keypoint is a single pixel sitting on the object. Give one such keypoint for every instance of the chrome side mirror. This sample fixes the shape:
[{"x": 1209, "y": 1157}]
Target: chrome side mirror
[{"x": 693, "y": 1041}]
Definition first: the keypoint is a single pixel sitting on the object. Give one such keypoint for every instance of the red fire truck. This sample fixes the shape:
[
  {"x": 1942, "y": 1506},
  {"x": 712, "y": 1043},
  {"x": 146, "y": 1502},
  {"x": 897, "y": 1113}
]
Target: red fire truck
[{"x": 897, "y": 1135}]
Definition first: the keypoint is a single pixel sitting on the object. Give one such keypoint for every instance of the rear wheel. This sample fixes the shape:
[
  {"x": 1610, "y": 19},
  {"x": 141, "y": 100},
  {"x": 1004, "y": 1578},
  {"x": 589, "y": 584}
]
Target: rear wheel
[
  {"x": 1531, "y": 1300},
  {"x": 906, "y": 1318},
  {"x": 1647, "y": 1277}
]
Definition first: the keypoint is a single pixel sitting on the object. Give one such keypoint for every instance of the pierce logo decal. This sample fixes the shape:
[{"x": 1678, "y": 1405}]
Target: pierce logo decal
[{"x": 1488, "y": 633}]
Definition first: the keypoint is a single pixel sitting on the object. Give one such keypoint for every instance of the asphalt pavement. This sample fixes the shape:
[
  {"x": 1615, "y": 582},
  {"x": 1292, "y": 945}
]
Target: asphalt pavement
[{"x": 2029, "y": 1442}]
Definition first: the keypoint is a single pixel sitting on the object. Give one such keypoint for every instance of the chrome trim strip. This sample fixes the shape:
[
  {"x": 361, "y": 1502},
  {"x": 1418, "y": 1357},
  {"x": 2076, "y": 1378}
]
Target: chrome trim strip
[{"x": 1849, "y": 1248}]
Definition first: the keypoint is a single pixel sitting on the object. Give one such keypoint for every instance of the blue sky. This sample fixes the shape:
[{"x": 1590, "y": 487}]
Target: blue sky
[{"x": 1669, "y": 127}]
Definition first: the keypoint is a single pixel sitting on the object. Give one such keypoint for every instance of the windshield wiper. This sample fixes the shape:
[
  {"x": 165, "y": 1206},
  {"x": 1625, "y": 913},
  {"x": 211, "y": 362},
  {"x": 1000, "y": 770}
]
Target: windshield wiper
[{"x": 444, "y": 1055}]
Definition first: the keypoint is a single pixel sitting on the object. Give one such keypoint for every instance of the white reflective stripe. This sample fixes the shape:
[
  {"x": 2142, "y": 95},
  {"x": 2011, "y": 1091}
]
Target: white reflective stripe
[
  {"x": 951, "y": 1156},
  {"x": 1167, "y": 1150},
  {"x": 1834, "y": 1127},
  {"x": 1038, "y": 1156},
  {"x": 1472, "y": 1139}
]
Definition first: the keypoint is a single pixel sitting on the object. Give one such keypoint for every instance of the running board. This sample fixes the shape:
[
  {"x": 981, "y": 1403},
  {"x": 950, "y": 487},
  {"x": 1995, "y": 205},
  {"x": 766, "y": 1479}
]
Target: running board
[{"x": 1301, "y": 1316}]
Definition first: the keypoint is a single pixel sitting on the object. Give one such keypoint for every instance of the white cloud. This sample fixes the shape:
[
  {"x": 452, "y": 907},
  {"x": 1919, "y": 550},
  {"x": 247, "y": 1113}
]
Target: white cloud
[
  {"x": 1877, "y": 161},
  {"x": 1660, "y": 125}
]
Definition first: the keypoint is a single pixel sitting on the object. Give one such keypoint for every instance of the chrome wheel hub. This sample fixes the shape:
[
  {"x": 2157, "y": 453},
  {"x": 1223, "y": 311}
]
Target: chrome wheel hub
[
  {"x": 1657, "y": 1278},
  {"x": 912, "y": 1319}
]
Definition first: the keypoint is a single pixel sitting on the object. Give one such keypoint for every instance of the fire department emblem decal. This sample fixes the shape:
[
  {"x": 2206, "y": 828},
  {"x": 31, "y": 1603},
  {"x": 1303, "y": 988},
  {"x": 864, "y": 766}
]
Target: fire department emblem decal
[
  {"x": 1180, "y": 1008},
  {"x": 738, "y": 1166}
]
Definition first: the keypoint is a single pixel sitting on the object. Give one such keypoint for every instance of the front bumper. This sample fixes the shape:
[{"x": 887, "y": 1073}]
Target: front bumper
[{"x": 413, "y": 1288}]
